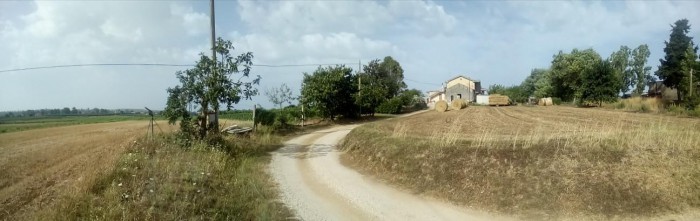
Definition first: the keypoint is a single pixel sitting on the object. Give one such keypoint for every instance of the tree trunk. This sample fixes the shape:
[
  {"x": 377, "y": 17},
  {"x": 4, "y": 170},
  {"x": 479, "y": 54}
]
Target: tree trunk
[{"x": 203, "y": 123}]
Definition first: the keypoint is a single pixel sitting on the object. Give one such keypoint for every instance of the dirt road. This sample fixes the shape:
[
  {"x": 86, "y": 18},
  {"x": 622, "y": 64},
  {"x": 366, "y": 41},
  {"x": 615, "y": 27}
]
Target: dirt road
[
  {"x": 39, "y": 167},
  {"x": 317, "y": 186}
]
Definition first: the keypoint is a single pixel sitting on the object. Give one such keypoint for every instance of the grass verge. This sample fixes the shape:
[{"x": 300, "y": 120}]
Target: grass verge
[
  {"x": 157, "y": 179},
  {"x": 588, "y": 169}
]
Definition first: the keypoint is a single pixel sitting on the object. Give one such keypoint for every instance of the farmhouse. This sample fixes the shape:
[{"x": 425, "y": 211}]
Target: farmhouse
[{"x": 459, "y": 87}]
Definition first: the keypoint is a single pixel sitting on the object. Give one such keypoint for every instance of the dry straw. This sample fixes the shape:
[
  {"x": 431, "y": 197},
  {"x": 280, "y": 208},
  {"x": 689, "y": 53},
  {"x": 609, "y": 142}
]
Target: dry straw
[
  {"x": 441, "y": 106},
  {"x": 458, "y": 104}
]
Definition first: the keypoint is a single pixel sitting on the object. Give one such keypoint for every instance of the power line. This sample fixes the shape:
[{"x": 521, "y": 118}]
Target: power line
[
  {"x": 159, "y": 65},
  {"x": 414, "y": 81}
]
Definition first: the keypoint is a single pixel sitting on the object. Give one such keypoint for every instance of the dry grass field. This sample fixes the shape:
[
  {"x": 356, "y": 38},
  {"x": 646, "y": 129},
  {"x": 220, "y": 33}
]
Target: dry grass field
[
  {"x": 539, "y": 162},
  {"x": 41, "y": 166},
  {"x": 113, "y": 171}
]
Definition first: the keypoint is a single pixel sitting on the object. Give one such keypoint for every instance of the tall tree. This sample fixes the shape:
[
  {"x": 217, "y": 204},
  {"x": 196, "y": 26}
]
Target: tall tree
[
  {"x": 371, "y": 94},
  {"x": 529, "y": 85},
  {"x": 689, "y": 65},
  {"x": 600, "y": 83},
  {"x": 208, "y": 85},
  {"x": 393, "y": 79},
  {"x": 639, "y": 70},
  {"x": 619, "y": 61},
  {"x": 670, "y": 70},
  {"x": 280, "y": 95},
  {"x": 330, "y": 91},
  {"x": 566, "y": 72}
]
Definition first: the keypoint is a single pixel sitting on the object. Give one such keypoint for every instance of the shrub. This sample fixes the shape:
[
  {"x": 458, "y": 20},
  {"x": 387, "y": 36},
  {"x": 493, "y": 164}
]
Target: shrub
[
  {"x": 391, "y": 106},
  {"x": 556, "y": 100},
  {"x": 264, "y": 117},
  {"x": 620, "y": 105},
  {"x": 675, "y": 109}
]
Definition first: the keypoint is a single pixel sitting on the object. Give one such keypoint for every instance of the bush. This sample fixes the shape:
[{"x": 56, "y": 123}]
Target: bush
[
  {"x": 293, "y": 113},
  {"x": 556, "y": 100},
  {"x": 391, "y": 106},
  {"x": 644, "y": 108},
  {"x": 265, "y": 117},
  {"x": 619, "y": 105}
]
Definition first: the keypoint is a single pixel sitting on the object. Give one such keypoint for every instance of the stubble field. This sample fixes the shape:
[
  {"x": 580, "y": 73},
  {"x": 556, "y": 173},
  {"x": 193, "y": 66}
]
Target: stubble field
[
  {"x": 42, "y": 166},
  {"x": 539, "y": 162}
]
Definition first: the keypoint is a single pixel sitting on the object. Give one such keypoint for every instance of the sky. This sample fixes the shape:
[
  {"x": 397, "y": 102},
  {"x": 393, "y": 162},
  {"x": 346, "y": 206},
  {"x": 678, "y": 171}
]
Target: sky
[{"x": 497, "y": 42}]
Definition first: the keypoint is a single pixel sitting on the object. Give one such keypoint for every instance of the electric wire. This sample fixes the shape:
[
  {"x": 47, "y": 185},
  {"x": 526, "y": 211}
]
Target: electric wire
[{"x": 159, "y": 65}]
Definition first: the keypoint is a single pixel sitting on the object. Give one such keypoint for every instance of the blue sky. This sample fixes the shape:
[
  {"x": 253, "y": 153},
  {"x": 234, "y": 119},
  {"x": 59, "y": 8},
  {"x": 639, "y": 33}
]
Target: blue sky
[{"x": 497, "y": 42}]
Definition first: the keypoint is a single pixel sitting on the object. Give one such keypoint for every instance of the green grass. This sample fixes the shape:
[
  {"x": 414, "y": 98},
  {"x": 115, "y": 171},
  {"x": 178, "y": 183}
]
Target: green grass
[
  {"x": 8, "y": 125},
  {"x": 160, "y": 180}
]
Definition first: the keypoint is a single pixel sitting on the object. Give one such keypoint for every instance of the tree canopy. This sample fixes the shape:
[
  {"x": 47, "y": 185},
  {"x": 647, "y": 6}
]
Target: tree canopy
[
  {"x": 639, "y": 71},
  {"x": 600, "y": 83},
  {"x": 671, "y": 70},
  {"x": 567, "y": 70},
  {"x": 208, "y": 85},
  {"x": 619, "y": 61},
  {"x": 280, "y": 95},
  {"x": 330, "y": 90}
]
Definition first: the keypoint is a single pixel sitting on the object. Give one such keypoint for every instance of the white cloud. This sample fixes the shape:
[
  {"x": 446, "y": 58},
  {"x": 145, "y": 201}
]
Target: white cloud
[
  {"x": 65, "y": 32},
  {"x": 497, "y": 42}
]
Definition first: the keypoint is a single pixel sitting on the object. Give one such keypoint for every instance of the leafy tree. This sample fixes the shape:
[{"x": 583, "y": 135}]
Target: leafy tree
[
  {"x": 280, "y": 95},
  {"x": 330, "y": 91},
  {"x": 543, "y": 85},
  {"x": 209, "y": 84},
  {"x": 690, "y": 64},
  {"x": 411, "y": 97},
  {"x": 497, "y": 89},
  {"x": 30, "y": 113},
  {"x": 619, "y": 61},
  {"x": 381, "y": 81},
  {"x": 529, "y": 85},
  {"x": 392, "y": 76},
  {"x": 600, "y": 83},
  {"x": 391, "y": 106},
  {"x": 671, "y": 70},
  {"x": 65, "y": 111},
  {"x": 639, "y": 70},
  {"x": 373, "y": 89},
  {"x": 514, "y": 92},
  {"x": 74, "y": 111},
  {"x": 567, "y": 70}
]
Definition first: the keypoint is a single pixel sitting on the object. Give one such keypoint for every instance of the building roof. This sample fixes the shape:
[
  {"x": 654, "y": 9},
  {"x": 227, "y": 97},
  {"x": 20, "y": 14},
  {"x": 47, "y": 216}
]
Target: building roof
[
  {"x": 437, "y": 93},
  {"x": 458, "y": 76}
]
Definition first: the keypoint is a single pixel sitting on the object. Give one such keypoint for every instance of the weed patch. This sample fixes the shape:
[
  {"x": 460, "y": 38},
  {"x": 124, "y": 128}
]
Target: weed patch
[{"x": 157, "y": 179}]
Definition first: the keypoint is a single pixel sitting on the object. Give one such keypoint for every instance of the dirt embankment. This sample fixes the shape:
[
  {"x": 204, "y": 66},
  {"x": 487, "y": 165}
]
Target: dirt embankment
[
  {"x": 540, "y": 162},
  {"x": 41, "y": 166}
]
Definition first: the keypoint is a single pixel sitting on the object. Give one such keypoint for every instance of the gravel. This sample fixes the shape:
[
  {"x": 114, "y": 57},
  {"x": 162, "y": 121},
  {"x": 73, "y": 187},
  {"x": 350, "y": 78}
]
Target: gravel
[{"x": 316, "y": 186}]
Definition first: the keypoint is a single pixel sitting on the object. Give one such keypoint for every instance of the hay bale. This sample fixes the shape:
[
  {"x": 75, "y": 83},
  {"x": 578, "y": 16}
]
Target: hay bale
[
  {"x": 498, "y": 100},
  {"x": 547, "y": 101},
  {"x": 441, "y": 106},
  {"x": 458, "y": 104}
]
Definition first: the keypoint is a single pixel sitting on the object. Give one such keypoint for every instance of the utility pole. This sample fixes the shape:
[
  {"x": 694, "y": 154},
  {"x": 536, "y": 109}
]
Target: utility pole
[{"x": 212, "y": 21}]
